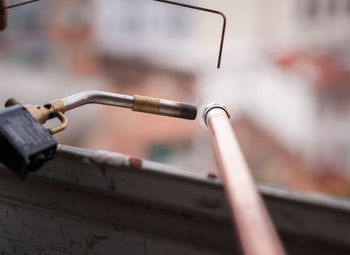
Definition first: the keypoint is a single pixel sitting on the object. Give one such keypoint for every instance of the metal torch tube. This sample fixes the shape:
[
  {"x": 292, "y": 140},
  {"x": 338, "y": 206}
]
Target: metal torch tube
[
  {"x": 136, "y": 103},
  {"x": 97, "y": 97},
  {"x": 256, "y": 232}
]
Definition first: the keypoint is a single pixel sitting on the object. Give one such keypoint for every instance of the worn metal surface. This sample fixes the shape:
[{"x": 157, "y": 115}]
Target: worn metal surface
[
  {"x": 96, "y": 202},
  {"x": 245, "y": 201}
]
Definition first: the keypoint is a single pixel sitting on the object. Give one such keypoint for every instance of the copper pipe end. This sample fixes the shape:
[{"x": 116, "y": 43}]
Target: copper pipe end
[{"x": 210, "y": 107}]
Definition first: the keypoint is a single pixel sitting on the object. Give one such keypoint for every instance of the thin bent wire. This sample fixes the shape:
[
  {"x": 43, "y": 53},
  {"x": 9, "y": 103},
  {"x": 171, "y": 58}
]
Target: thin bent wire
[
  {"x": 20, "y": 4},
  {"x": 205, "y": 10}
]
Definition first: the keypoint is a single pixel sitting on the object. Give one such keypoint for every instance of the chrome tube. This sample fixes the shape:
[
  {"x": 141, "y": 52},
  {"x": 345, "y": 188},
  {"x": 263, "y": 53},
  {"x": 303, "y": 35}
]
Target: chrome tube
[
  {"x": 136, "y": 103},
  {"x": 97, "y": 97},
  {"x": 256, "y": 232}
]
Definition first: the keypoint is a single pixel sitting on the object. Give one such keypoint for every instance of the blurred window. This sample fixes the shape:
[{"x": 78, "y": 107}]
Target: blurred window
[
  {"x": 313, "y": 8},
  {"x": 129, "y": 22},
  {"x": 332, "y": 7}
]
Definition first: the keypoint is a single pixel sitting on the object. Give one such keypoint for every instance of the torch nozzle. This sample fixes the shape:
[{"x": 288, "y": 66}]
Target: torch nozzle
[{"x": 164, "y": 107}]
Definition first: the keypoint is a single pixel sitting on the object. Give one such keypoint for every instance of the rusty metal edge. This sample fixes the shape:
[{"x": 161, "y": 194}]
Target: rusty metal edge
[
  {"x": 273, "y": 191},
  {"x": 298, "y": 215}
]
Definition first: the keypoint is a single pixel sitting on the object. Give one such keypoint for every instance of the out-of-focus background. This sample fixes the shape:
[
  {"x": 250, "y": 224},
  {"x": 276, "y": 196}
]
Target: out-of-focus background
[{"x": 285, "y": 77}]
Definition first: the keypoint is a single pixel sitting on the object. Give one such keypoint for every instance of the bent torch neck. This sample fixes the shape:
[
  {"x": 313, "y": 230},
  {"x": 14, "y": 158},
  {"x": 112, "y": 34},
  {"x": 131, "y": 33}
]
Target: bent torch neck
[{"x": 136, "y": 103}]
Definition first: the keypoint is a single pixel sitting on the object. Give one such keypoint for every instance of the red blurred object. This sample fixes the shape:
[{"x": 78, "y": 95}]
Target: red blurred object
[{"x": 326, "y": 69}]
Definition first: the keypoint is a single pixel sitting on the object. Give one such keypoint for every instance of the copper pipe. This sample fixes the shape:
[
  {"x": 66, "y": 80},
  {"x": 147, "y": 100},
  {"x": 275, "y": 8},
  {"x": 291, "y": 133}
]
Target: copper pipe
[{"x": 256, "y": 232}]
